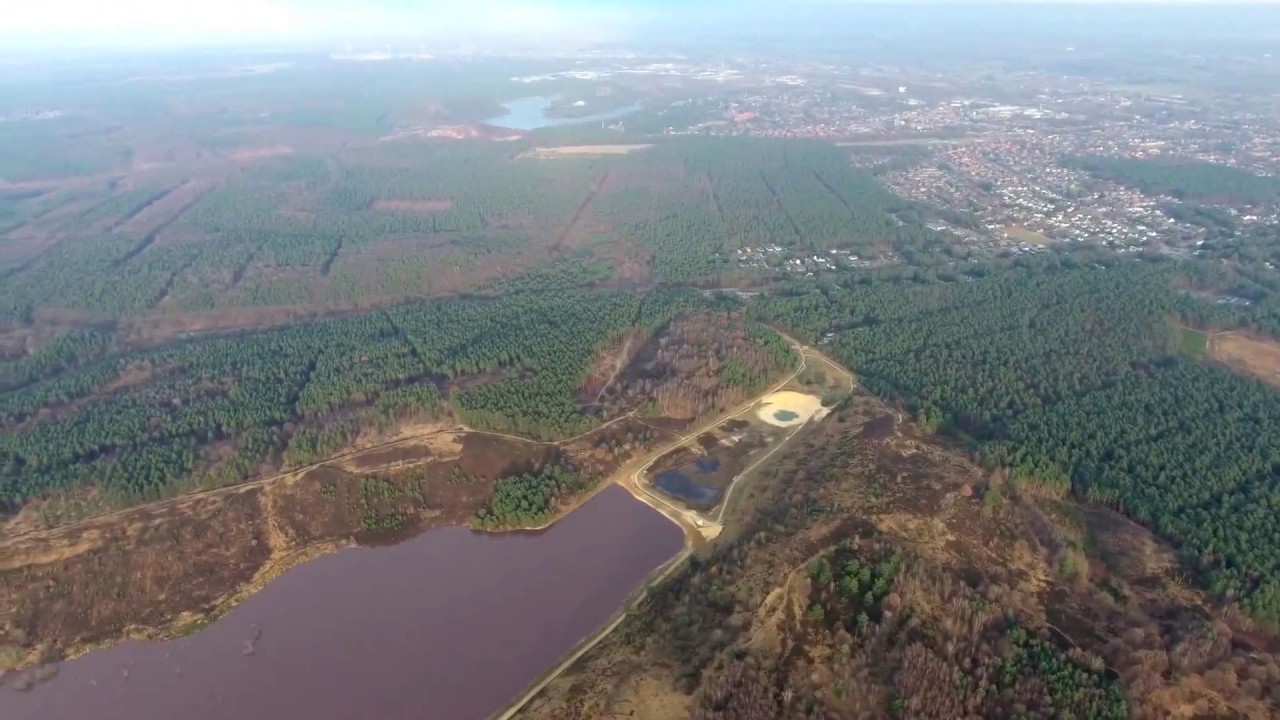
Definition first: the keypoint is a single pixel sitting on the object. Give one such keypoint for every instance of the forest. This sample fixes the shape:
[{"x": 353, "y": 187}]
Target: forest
[
  {"x": 1074, "y": 380},
  {"x": 1201, "y": 182},
  {"x": 389, "y": 222},
  {"x": 530, "y": 499},
  {"x": 138, "y": 425}
]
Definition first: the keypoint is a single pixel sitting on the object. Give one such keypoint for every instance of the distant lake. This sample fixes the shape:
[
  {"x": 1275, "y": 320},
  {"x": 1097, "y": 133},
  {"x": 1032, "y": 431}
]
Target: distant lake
[
  {"x": 451, "y": 625},
  {"x": 531, "y": 113}
]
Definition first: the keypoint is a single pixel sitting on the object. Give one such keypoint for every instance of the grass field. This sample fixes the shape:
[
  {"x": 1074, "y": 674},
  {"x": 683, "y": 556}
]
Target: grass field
[
  {"x": 1024, "y": 235},
  {"x": 1192, "y": 342}
]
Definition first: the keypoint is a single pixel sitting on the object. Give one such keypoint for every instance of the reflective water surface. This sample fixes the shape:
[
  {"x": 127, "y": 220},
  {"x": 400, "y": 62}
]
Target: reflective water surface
[
  {"x": 451, "y": 624},
  {"x": 530, "y": 114}
]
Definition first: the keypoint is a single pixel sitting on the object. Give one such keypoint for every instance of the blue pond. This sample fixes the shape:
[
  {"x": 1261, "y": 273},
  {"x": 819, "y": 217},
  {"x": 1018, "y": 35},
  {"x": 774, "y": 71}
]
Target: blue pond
[
  {"x": 531, "y": 113},
  {"x": 677, "y": 484}
]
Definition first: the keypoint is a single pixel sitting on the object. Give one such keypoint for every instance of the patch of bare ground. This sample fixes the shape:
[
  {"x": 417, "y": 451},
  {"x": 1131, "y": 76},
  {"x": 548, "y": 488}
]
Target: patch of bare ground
[
  {"x": 132, "y": 375},
  {"x": 39, "y": 234},
  {"x": 631, "y": 262},
  {"x": 155, "y": 329},
  {"x": 250, "y": 154},
  {"x": 582, "y": 151},
  {"x": 424, "y": 206},
  {"x": 166, "y": 209},
  {"x": 450, "y": 268},
  {"x": 438, "y": 446},
  {"x": 775, "y": 619},
  {"x": 48, "y": 184},
  {"x": 1248, "y": 353},
  {"x": 296, "y": 214}
]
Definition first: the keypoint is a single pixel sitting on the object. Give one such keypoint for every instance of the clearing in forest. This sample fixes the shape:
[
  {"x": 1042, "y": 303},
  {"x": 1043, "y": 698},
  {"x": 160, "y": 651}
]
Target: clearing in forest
[
  {"x": 579, "y": 150},
  {"x": 1192, "y": 342},
  {"x": 165, "y": 209},
  {"x": 1256, "y": 356},
  {"x": 1026, "y": 235},
  {"x": 430, "y": 205},
  {"x": 789, "y": 408},
  {"x": 249, "y": 154}
]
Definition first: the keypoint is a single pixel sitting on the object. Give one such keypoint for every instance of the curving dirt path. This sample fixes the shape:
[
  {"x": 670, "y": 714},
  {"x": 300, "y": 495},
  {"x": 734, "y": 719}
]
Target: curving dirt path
[{"x": 11, "y": 540}]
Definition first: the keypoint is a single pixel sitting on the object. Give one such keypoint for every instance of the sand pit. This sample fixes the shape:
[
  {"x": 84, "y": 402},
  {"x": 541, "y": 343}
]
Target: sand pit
[{"x": 789, "y": 408}]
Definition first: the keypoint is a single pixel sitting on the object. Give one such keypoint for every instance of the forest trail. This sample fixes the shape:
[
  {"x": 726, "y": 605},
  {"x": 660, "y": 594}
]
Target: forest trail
[
  {"x": 185, "y": 498},
  {"x": 13, "y": 540},
  {"x": 619, "y": 364}
]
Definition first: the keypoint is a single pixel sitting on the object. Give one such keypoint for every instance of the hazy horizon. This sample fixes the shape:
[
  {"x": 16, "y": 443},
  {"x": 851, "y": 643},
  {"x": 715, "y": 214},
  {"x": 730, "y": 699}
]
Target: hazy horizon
[{"x": 64, "y": 24}]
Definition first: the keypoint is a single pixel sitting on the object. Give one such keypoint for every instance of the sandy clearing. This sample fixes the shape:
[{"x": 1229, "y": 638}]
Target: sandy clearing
[
  {"x": 1254, "y": 356},
  {"x": 429, "y": 205},
  {"x": 248, "y": 154},
  {"x": 794, "y": 408},
  {"x": 570, "y": 150}
]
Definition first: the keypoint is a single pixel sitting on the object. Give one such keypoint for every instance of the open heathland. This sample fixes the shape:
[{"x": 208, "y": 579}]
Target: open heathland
[
  {"x": 893, "y": 578},
  {"x": 1076, "y": 381}
]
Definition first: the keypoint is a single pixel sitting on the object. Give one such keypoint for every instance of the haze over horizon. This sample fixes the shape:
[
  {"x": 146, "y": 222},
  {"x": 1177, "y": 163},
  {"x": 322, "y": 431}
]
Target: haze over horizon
[{"x": 571, "y": 23}]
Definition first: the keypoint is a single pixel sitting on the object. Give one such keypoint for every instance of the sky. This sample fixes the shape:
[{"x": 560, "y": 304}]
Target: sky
[{"x": 179, "y": 22}]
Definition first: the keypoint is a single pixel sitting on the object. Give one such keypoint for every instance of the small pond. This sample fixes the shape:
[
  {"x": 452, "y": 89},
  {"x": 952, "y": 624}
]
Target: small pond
[
  {"x": 707, "y": 465},
  {"x": 681, "y": 486}
]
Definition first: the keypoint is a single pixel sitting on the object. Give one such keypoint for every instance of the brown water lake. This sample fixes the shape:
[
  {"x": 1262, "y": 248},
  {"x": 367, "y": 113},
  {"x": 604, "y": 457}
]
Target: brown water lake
[{"x": 450, "y": 625}]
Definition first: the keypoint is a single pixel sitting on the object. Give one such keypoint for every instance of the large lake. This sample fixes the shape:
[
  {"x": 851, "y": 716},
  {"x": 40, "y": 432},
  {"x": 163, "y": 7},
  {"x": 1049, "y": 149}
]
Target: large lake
[
  {"x": 530, "y": 114},
  {"x": 450, "y": 625}
]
